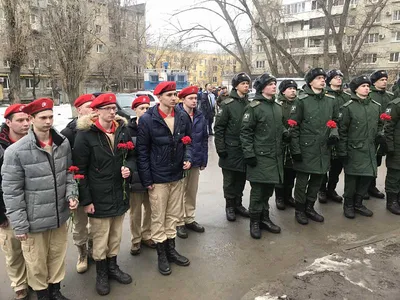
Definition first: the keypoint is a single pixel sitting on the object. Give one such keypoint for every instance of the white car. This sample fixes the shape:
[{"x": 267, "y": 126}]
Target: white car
[{"x": 124, "y": 102}]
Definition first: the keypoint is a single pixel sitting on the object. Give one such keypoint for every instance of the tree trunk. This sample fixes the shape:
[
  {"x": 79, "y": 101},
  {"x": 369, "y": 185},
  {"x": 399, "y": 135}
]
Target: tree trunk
[
  {"x": 73, "y": 92},
  {"x": 15, "y": 84}
]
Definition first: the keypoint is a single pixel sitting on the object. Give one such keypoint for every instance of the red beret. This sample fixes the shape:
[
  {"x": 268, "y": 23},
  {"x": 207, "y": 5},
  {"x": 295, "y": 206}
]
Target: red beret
[
  {"x": 165, "y": 86},
  {"x": 12, "y": 109},
  {"x": 103, "y": 100},
  {"x": 83, "y": 99},
  {"x": 188, "y": 91},
  {"x": 38, "y": 105},
  {"x": 140, "y": 100}
]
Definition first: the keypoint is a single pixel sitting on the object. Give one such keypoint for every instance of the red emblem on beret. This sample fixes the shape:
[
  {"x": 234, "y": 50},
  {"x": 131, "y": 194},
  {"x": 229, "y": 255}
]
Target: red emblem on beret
[
  {"x": 12, "y": 109},
  {"x": 82, "y": 99},
  {"x": 103, "y": 100},
  {"x": 38, "y": 105},
  {"x": 165, "y": 86},
  {"x": 140, "y": 100},
  {"x": 188, "y": 91}
]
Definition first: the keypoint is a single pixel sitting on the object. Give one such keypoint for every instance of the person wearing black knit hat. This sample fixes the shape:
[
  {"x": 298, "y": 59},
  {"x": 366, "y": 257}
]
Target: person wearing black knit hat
[
  {"x": 311, "y": 142},
  {"x": 396, "y": 89},
  {"x": 283, "y": 192},
  {"x": 334, "y": 80},
  {"x": 359, "y": 132},
  {"x": 379, "y": 93}
]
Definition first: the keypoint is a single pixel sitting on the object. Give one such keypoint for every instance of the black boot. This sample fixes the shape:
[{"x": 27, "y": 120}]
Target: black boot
[
  {"x": 195, "y": 227},
  {"x": 348, "y": 208},
  {"x": 174, "y": 256},
  {"x": 322, "y": 196},
  {"x": 280, "y": 198},
  {"x": 54, "y": 292},
  {"x": 374, "y": 192},
  {"x": 366, "y": 196},
  {"x": 312, "y": 214},
  {"x": 255, "y": 230},
  {"x": 163, "y": 264},
  {"x": 391, "y": 203},
  {"x": 102, "y": 283},
  {"x": 240, "y": 209},
  {"x": 43, "y": 294},
  {"x": 230, "y": 209},
  {"x": 331, "y": 194},
  {"x": 267, "y": 224},
  {"x": 289, "y": 200},
  {"x": 300, "y": 213},
  {"x": 114, "y": 272},
  {"x": 181, "y": 232},
  {"x": 360, "y": 208}
]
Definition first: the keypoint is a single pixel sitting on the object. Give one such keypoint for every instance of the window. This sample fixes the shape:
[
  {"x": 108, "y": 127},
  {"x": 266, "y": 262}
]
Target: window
[
  {"x": 396, "y": 15},
  {"x": 35, "y": 63},
  {"x": 350, "y": 40},
  {"x": 260, "y": 64},
  {"x": 333, "y": 60},
  {"x": 234, "y": 69},
  {"x": 98, "y": 28},
  {"x": 234, "y": 62},
  {"x": 100, "y": 48},
  {"x": 370, "y": 58},
  {"x": 353, "y": 2},
  {"x": 33, "y": 19},
  {"x": 315, "y": 5},
  {"x": 181, "y": 78},
  {"x": 214, "y": 79},
  {"x": 394, "y": 57},
  {"x": 314, "y": 43},
  {"x": 49, "y": 84},
  {"x": 338, "y": 2},
  {"x": 153, "y": 78},
  {"x": 6, "y": 83},
  {"x": 126, "y": 85},
  {"x": 171, "y": 77},
  {"x": 260, "y": 48},
  {"x": 351, "y": 21},
  {"x": 200, "y": 73},
  {"x": 317, "y": 23},
  {"x": 29, "y": 83},
  {"x": 396, "y": 36},
  {"x": 294, "y": 8},
  {"x": 215, "y": 59},
  {"x": 215, "y": 68},
  {"x": 195, "y": 79},
  {"x": 372, "y": 38},
  {"x": 6, "y": 63}
]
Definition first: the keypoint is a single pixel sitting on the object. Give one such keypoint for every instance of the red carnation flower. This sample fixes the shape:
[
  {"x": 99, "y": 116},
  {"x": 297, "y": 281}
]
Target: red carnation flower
[
  {"x": 122, "y": 146},
  {"x": 73, "y": 169},
  {"x": 79, "y": 177},
  {"x": 130, "y": 145},
  {"x": 385, "y": 117},
  {"x": 331, "y": 124},
  {"x": 292, "y": 123},
  {"x": 186, "y": 140}
]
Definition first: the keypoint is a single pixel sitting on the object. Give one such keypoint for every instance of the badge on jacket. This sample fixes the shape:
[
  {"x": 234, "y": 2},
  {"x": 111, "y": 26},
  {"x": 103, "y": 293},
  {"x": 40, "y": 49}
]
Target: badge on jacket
[
  {"x": 293, "y": 110},
  {"x": 246, "y": 117},
  {"x": 388, "y": 110}
]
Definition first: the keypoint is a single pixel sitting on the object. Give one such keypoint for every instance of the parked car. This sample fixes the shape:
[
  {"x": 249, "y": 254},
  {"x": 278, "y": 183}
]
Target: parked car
[
  {"x": 124, "y": 103},
  {"x": 153, "y": 98}
]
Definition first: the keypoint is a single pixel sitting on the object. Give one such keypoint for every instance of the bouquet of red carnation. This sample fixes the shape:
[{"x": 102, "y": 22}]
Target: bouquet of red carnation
[
  {"x": 385, "y": 117},
  {"x": 186, "y": 140},
  {"x": 292, "y": 123},
  {"x": 331, "y": 124},
  {"x": 77, "y": 177},
  {"x": 125, "y": 147}
]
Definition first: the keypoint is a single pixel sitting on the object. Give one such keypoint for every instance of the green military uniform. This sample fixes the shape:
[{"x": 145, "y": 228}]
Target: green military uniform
[
  {"x": 396, "y": 90},
  {"x": 261, "y": 137},
  {"x": 228, "y": 146},
  {"x": 309, "y": 139},
  {"x": 392, "y": 134}
]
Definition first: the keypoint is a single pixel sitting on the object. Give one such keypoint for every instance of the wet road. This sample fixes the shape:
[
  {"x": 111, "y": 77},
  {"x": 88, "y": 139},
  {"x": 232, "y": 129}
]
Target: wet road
[{"x": 226, "y": 263}]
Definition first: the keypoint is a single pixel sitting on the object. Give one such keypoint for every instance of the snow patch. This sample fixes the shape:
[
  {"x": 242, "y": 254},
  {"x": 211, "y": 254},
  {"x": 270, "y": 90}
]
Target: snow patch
[
  {"x": 268, "y": 296},
  {"x": 369, "y": 250}
]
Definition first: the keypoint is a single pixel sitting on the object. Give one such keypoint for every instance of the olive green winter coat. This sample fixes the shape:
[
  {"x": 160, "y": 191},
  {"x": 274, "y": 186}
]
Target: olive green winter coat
[
  {"x": 359, "y": 125},
  {"x": 392, "y": 134},
  {"x": 341, "y": 96},
  {"x": 382, "y": 97},
  {"x": 261, "y": 137},
  {"x": 309, "y": 138},
  {"x": 227, "y": 131}
]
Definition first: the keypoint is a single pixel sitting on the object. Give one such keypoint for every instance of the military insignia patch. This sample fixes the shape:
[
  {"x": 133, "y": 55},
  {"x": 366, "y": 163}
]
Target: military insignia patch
[
  {"x": 246, "y": 117},
  {"x": 388, "y": 110},
  {"x": 340, "y": 115},
  {"x": 293, "y": 110},
  {"x": 220, "y": 111}
]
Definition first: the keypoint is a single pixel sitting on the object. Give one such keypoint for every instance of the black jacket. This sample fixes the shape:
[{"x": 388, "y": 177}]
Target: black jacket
[
  {"x": 161, "y": 154},
  {"x": 136, "y": 184},
  {"x": 70, "y": 131},
  {"x": 4, "y": 143},
  {"x": 101, "y": 167}
]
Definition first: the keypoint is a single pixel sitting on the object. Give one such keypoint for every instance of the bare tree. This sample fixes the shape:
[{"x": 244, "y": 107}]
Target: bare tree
[{"x": 158, "y": 46}]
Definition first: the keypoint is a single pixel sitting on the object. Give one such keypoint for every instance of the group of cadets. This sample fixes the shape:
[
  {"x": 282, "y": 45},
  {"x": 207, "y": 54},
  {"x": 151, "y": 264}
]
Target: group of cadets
[{"x": 151, "y": 164}]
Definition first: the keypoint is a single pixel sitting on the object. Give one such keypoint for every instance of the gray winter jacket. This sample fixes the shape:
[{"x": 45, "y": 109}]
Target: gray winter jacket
[{"x": 36, "y": 185}]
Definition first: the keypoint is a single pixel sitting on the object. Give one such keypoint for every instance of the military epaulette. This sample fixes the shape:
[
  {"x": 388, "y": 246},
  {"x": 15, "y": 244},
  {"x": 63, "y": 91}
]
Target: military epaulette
[
  {"x": 278, "y": 102},
  {"x": 227, "y": 101},
  {"x": 254, "y": 103},
  {"x": 348, "y": 103},
  {"x": 330, "y": 96},
  {"x": 377, "y": 103},
  {"x": 395, "y": 101},
  {"x": 390, "y": 93},
  {"x": 302, "y": 96},
  {"x": 347, "y": 93}
]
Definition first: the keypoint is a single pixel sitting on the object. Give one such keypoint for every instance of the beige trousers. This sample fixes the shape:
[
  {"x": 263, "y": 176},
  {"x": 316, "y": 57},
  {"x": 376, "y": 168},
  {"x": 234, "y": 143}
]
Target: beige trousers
[
  {"x": 107, "y": 233},
  {"x": 166, "y": 209},
  {"x": 139, "y": 213},
  {"x": 81, "y": 228},
  {"x": 44, "y": 253},
  {"x": 15, "y": 262},
  {"x": 190, "y": 187}
]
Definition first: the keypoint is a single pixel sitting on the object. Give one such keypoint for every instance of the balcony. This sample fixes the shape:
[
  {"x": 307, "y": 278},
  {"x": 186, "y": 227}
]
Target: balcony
[{"x": 310, "y": 50}]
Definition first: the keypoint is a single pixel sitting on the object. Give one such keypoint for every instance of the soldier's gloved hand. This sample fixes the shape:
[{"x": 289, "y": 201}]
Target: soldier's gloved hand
[
  {"x": 380, "y": 139},
  {"x": 222, "y": 154},
  {"x": 297, "y": 157},
  {"x": 344, "y": 159},
  {"x": 251, "y": 161},
  {"x": 333, "y": 140},
  {"x": 286, "y": 137}
]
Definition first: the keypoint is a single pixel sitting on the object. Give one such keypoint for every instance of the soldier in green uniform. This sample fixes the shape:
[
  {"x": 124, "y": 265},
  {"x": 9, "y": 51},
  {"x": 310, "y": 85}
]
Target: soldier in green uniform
[
  {"x": 229, "y": 149},
  {"x": 396, "y": 89},
  {"x": 311, "y": 143},
  {"x": 261, "y": 136},
  {"x": 392, "y": 134},
  {"x": 334, "y": 81},
  {"x": 283, "y": 192},
  {"x": 360, "y": 128},
  {"x": 383, "y": 97}
]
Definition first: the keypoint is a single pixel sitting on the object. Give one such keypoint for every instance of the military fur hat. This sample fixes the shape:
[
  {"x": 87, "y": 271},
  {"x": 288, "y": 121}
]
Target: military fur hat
[
  {"x": 285, "y": 84},
  {"x": 331, "y": 74},
  {"x": 378, "y": 75},
  {"x": 240, "y": 77},
  {"x": 356, "y": 82},
  {"x": 314, "y": 73},
  {"x": 261, "y": 82}
]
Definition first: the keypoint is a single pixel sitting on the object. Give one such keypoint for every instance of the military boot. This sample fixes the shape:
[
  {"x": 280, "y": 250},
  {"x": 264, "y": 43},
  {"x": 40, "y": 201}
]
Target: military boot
[
  {"x": 255, "y": 230},
  {"x": 312, "y": 214},
  {"x": 300, "y": 213},
  {"x": 331, "y": 194},
  {"x": 82, "y": 264},
  {"x": 181, "y": 232},
  {"x": 374, "y": 192},
  {"x": 322, "y": 198},
  {"x": 54, "y": 292},
  {"x": 102, "y": 283},
  {"x": 163, "y": 264},
  {"x": 348, "y": 208},
  {"x": 267, "y": 224},
  {"x": 174, "y": 256},
  {"x": 289, "y": 200},
  {"x": 360, "y": 208},
  {"x": 90, "y": 249},
  {"x": 114, "y": 272},
  {"x": 43, "y": 295},
  {"x": 230, "y": 209},
  {"x": 391, "y": 203},
  {"x": 240, "y": 209},
  {"x": 280, "y": 198}
]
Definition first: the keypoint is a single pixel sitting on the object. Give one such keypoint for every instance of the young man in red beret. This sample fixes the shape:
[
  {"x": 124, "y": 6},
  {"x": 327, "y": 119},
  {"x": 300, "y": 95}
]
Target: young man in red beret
[
  {"x": 164, "y": 152},
  {"x": 15, "y": 127},
  {"x": 104, "y": 191},
  {"x": 200, "y": 158},
  {"x": 80, "y": 234},
  {"x": 139, "y": 201},
  {"x": 39, "y": 194}
]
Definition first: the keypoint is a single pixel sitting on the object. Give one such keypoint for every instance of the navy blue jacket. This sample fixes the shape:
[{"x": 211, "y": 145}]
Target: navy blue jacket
[
  {"x": 161, "y": 154},
  {"x": 205, "y": 106},
  {"x": 199, "y": 138}
]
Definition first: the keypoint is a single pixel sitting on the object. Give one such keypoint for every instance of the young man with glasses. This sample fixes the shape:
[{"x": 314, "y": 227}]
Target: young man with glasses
[{"x": 102, "y": 192}]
